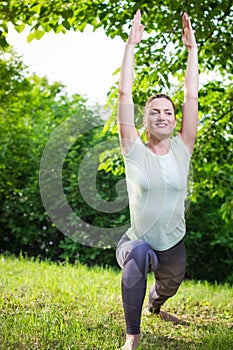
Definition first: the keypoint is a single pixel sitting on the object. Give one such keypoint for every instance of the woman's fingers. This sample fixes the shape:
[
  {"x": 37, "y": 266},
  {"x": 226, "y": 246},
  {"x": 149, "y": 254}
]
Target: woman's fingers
[
  {"x": 138, "y": 13},
  {"x": 137, "y": 17},
  {"x": 186, "y": 21},
  {"x": 137, "y": 28}
]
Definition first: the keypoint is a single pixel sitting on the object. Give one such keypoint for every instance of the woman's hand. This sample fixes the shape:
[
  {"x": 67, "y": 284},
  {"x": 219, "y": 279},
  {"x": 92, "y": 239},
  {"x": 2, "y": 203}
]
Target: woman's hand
[
  {"x": 136, "y": 31},
  {"x": 188, "y": 36}
]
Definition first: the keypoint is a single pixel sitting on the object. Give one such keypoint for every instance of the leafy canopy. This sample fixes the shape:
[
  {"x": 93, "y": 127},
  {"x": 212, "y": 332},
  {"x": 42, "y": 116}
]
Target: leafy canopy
[{"x": 212, "y": 21}]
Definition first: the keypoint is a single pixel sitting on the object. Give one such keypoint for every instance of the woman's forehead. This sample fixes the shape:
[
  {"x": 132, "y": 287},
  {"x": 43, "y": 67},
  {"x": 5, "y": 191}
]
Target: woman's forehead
[{"x": 160, "y": 103}]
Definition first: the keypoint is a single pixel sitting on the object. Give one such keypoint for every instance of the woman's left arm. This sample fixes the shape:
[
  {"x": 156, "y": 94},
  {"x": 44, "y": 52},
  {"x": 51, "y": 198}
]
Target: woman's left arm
[{"x": 190, "y": 107}]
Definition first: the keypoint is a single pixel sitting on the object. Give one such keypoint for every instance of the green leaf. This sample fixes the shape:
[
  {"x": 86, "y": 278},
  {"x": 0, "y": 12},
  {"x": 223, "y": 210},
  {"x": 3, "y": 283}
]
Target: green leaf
[
  {"x": 3, "y": 43},
  {"x": 66, "y": 24},
  {"x": 67, "y": 14},
  {"x": 30, "y": 37},
  {"x": 39, "y": 33},
  {"x": 36, "y": 8},
  {"x": 20, "y": 27}
]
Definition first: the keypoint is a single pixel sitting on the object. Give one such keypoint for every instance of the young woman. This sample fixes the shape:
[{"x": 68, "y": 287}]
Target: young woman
[{"x": 156, "y": 174}]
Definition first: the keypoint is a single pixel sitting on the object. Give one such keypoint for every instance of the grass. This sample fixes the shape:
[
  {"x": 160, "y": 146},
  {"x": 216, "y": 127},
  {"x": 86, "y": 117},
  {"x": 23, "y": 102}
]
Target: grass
[{"x": 48, "y": 306}]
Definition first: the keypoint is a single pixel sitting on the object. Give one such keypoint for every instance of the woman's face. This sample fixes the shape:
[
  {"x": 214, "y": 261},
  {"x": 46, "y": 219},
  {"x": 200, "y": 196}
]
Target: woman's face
[{"x": 159, "y": 118}]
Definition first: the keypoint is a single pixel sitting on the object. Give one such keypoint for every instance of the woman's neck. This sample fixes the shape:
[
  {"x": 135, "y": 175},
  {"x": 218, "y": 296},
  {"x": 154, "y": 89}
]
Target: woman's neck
[{"x": 160, "y": 147}]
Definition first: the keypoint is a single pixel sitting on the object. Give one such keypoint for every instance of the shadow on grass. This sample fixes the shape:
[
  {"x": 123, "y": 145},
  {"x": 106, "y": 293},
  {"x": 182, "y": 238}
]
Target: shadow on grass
[
  {"x": 206, "y": 338},
  {"x": 149, "y": 342}
]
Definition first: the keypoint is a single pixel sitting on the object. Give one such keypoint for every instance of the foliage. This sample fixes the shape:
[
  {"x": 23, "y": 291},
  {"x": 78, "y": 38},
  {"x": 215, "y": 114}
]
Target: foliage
[
  {"x": 31, "y": 109},
  {"x": 58, "y": 306},
  {"x": 159, "y": 63},
  {"x": 212, "y": 21}
]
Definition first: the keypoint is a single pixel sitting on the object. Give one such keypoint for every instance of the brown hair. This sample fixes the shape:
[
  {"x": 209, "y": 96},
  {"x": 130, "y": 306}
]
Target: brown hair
[{"x": 160, "y": 96}]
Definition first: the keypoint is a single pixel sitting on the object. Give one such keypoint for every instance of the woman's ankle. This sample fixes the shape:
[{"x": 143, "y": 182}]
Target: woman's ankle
[{"x": 133, "y": 340}]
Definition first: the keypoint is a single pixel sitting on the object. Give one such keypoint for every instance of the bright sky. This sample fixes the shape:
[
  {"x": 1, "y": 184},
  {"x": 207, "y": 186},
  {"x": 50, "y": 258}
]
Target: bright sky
[{"x": 84, "y": 62}]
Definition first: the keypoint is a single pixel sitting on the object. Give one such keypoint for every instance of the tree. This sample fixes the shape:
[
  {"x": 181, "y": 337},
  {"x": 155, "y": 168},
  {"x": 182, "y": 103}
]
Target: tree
[
  {"x": 31, "y": 110},
  {"x": 160, "y": 61},
  {"x": 212, "y": 21}
]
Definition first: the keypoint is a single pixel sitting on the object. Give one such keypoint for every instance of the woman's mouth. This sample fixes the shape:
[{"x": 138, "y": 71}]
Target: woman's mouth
[{"x": 161, "y": 125}]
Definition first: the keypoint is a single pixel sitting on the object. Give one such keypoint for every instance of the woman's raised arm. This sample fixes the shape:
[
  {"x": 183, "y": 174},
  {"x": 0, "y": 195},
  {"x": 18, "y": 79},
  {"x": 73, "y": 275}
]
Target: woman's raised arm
[
  {"x": 190, "y": 106},
  {"x": 126, "y": 126}
]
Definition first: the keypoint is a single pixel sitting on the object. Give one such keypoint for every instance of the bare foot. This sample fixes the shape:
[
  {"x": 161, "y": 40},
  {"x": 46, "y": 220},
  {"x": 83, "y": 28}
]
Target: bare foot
[
  {"x": 168, "y": 317},
  {"x": 132, "y": 341}
]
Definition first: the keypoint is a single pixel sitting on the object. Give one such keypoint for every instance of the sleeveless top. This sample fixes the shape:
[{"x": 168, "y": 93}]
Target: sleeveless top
[{"x": 156, "y": 186}]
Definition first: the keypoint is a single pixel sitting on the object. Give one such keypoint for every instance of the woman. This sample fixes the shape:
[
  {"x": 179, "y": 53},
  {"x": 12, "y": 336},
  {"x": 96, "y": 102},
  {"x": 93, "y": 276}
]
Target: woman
[{"x": 156, "y": 174}]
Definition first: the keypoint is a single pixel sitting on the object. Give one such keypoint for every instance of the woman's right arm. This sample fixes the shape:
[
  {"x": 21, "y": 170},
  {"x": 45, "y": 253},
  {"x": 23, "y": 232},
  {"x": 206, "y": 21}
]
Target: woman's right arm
[{"x": 126, "y": 126}]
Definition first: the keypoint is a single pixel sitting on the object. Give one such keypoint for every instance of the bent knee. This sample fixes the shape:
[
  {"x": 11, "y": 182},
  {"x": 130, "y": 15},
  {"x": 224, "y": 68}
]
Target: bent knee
[{"x": 135, "y": 249}]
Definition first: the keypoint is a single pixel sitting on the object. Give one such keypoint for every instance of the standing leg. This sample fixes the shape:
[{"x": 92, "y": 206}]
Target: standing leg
[
  {"x": 169, "y": 275},
  {"x": 137, "y": 259}
]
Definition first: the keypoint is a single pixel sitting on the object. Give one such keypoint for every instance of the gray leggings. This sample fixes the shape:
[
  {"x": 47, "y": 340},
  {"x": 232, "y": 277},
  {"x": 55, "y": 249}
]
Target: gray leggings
[{"x": 137, "y": 259}]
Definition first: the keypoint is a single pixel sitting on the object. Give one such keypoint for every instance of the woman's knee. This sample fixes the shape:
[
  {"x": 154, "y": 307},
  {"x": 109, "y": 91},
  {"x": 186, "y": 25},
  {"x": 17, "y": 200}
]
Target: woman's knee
[{"x": 135, "y": 250}]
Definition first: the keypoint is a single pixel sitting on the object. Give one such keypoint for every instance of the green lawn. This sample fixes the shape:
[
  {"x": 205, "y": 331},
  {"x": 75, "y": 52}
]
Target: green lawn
[{"x": 48, "y": 306}]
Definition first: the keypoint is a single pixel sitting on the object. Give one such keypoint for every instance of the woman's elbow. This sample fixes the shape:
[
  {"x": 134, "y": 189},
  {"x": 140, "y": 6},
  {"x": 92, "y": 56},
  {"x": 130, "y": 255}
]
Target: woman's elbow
[{"x": 124, "y": 96}]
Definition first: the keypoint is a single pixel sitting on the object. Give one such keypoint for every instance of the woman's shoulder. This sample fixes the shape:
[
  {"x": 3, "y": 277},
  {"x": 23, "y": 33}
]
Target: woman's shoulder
[
  {"x": 137, "y": 148},
  {"x": 178, "y": 143}
]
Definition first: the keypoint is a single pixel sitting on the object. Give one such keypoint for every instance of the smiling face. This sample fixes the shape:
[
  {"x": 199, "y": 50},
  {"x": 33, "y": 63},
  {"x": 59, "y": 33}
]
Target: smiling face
[{"x": 159, "y": 118}]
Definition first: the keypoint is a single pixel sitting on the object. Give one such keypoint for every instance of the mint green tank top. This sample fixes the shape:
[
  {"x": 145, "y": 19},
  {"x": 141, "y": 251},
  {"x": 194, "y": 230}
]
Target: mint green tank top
[{"x": 156, "y": 186}]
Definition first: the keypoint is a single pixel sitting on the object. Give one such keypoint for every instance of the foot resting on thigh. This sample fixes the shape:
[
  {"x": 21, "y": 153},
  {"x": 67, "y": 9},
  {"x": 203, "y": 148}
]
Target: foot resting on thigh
[{"x": 132, "y": 341}]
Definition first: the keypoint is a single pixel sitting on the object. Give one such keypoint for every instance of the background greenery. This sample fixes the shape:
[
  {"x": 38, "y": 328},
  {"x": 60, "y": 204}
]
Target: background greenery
[{"x": 31, "y": 109}]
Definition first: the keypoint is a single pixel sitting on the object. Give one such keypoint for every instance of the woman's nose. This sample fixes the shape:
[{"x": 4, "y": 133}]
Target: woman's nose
[{"x": 161, "y": 116}]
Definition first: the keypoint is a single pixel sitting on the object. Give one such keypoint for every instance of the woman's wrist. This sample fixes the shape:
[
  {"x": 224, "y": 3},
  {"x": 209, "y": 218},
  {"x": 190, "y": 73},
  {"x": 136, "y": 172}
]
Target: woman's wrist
[{"x": 193, "y": 48}]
